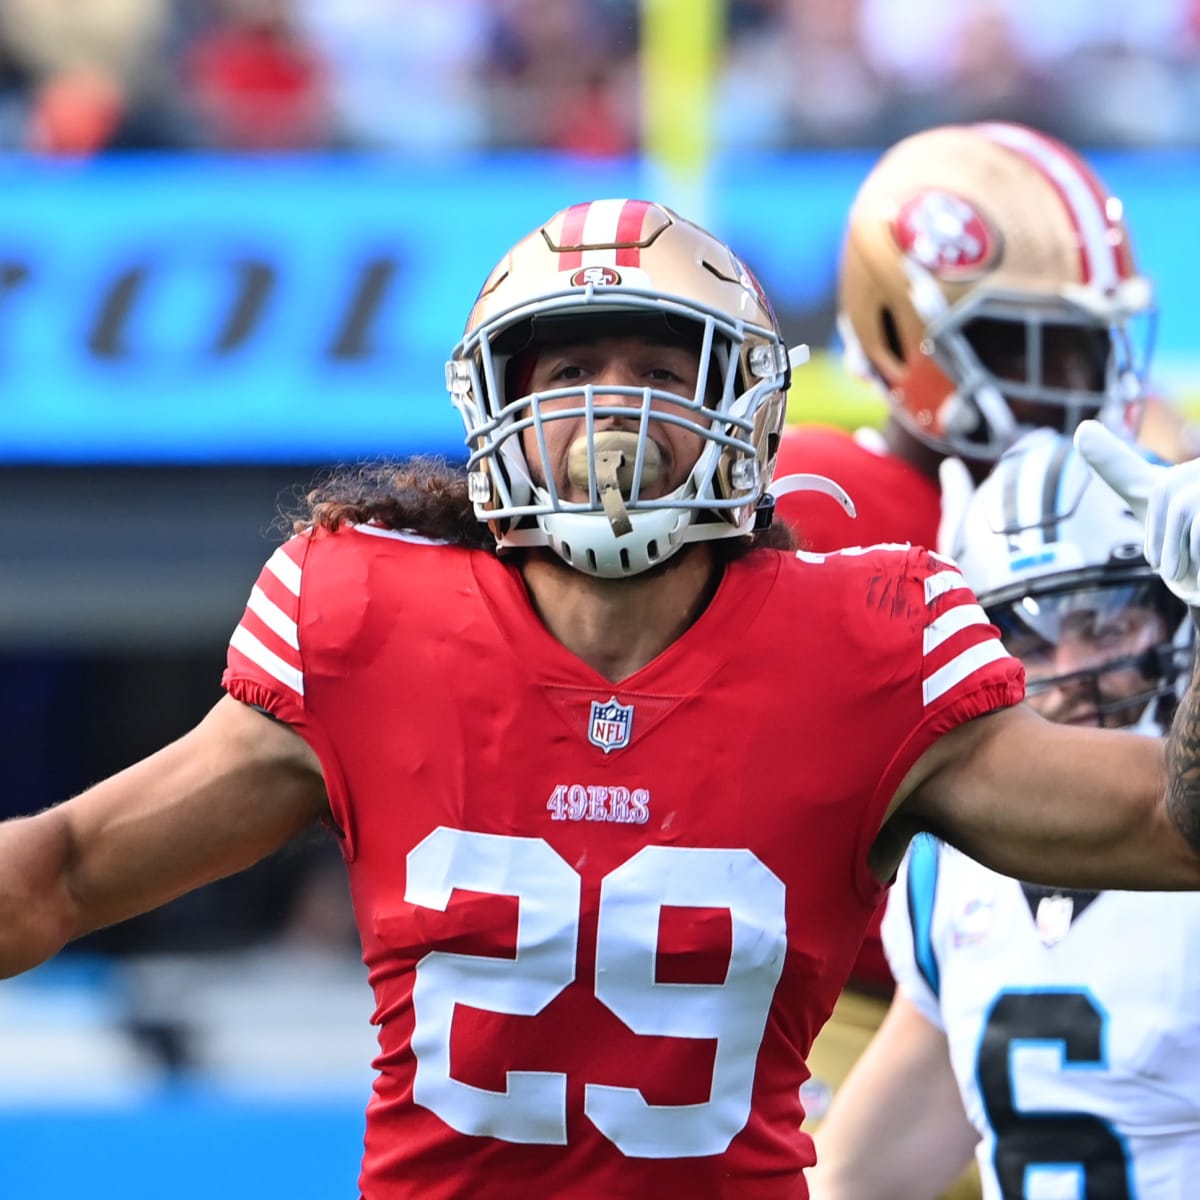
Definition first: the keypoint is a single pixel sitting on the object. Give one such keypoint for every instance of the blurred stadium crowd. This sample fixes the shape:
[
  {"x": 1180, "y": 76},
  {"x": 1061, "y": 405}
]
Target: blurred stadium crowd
[{"x": 461, "y": 75}]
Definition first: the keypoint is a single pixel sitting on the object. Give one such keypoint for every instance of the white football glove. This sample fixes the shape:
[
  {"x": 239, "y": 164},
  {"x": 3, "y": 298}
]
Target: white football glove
[
  {"x": 1165, "y": 498},
  {"x": 957, "y": 489}
]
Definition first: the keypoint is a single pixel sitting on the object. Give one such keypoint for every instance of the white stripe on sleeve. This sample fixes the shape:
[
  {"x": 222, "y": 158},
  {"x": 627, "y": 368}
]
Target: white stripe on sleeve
[
  {"x": 285, "y": 570},
  {"x": 246, "y": 643},
  {"x": 961, "y": 667},
  {"x": 941, "y": 582},
  {"x": 952, "y": 621},
  {"x": 273, "y": 617}
]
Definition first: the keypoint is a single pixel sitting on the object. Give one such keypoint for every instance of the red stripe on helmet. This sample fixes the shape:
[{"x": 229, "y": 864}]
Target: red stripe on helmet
[
  {"x": 629, "y": 229},
  {"x": 1085, "y": 262},
  {"x": 1052, "y": 148},
  {"x": 572, "y": 235},
  {"x": 1102, "y": 195}
]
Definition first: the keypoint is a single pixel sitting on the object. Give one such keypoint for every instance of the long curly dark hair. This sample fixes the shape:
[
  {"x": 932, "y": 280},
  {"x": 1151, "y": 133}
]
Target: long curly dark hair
[
  {"x": 428, "y": 496},
  {"x": 422, "y": 495}
]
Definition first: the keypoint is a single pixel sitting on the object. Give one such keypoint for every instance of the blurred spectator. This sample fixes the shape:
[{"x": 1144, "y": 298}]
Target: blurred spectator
[
  {"x": 320, "y": 917},
  {"x": 1091, "y": 71},
  {"x": 119, "y": 38},
  {"x": 16, "y": 88},
  {"x": 404, "y": 74},
  {"x": 564, "y": 75},
  {"x": 76, "y": 111},
  {"x": 449, "y": 76},
  {"x": 86, "y": 74},
  {"x": 255, "y": 83},
  {"x": 34, "y": 689},
  {"x": 795, "y": 74}
]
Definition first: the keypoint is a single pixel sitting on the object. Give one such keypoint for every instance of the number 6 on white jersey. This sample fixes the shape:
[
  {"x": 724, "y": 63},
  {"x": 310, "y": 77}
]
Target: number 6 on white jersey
[{"x": 733, "y": 1013}]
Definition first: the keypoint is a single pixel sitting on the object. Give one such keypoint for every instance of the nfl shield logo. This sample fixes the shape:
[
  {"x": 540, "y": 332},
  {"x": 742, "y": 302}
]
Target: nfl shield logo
[
  {"x": 1054, "y": 915},
  {"x": 609, "y": 724}
]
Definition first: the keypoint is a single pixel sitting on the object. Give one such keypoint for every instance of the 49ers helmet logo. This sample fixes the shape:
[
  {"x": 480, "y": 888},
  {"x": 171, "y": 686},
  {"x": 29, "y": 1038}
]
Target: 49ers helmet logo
[
  {"x": 946, "y": 235},
  {"x": 597, "y": 276}
]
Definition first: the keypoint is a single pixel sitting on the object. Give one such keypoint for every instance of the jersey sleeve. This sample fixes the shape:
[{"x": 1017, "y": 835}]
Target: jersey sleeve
[
  {"x": 299, "y": 650},
  {"x": 908, "y": 929},
  {"x": 956, "y": 664},
  {"x": 264, "y": 664},
  {"x": 940, "y": 661},
  {"x": 965, "y": 670}
]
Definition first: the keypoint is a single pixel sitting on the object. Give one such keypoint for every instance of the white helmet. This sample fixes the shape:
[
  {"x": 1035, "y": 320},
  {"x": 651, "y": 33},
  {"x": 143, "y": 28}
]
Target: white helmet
[
  {"x": 616, "y": 265},
  {"x": 1053, "y": 554}
]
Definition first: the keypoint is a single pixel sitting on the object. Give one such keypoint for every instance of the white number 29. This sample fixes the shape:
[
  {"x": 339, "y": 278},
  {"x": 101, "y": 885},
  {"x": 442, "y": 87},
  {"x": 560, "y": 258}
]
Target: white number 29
[{"x": 533, "y": 1106}]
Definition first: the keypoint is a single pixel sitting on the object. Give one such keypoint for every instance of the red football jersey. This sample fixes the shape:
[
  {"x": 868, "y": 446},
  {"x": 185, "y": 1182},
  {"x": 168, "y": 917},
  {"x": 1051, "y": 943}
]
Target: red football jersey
[
  {"x": 604, "y": 922},
  {"x": 895, "y": 503}
]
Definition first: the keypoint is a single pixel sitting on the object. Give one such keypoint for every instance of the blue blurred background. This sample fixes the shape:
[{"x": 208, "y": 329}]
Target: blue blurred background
[
  {"x": 238, "y": 240},
  {"x": 200, "y": 309}
]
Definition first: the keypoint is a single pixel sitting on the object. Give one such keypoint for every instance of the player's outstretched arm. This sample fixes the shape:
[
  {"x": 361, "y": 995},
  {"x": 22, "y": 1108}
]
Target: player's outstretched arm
[
  {"x": 220, "y": 798},
  {"x": 1087, "y": 808},
  {"x": 896, "y": 1129},
  {"x": 1053, "y": 804}
]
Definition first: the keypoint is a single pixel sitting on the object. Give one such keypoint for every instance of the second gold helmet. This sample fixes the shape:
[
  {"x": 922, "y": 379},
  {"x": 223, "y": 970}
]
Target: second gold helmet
[{"x": 973, "y": 251}]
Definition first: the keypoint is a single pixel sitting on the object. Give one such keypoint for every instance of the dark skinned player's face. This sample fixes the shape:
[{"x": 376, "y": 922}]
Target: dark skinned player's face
[{"x": 1074, "y": 358}]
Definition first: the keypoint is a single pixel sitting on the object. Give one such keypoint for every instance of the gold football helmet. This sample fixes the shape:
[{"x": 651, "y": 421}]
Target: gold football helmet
[
  {"x": 594, "y": 270},
  {"x": 989, "y": 285}
]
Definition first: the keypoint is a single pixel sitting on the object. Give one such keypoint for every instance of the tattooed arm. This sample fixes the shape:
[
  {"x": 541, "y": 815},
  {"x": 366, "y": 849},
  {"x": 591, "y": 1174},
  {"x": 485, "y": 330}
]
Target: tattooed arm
[{"x": 1183, "y": 762}]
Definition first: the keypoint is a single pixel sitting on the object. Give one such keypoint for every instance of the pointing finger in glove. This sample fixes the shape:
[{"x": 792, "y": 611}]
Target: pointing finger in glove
[
  {"x": 1123, "y": 467},
  {"x": 1166, "y": 498}
]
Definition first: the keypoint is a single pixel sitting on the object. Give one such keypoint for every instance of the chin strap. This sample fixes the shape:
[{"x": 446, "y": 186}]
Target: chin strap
[
  {"x": 812, "y": 483},
  {"x": 764, "y": 510}
]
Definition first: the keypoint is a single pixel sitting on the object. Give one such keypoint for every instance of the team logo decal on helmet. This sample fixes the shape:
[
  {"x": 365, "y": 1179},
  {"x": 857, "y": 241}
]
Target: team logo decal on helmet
[
  {"x": 596, "y": 276},
  {"x": 609, "y": 724},
  {"x": 946, "y": 235}
]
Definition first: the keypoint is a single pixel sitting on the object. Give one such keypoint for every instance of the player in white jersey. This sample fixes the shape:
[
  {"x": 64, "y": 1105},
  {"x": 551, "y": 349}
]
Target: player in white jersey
[{"x": 1054, "y": 1033}]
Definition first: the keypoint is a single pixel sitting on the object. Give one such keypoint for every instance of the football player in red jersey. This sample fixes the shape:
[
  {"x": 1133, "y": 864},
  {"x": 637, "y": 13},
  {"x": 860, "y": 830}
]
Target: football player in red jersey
[
  {"x": 987, "y": 285},
  {"x": 552, "y": 708}
]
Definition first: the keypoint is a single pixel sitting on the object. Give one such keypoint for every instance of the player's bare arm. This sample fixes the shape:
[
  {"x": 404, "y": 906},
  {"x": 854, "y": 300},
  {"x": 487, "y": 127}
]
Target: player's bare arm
[
  {"x": 897, "y": 1126},
  {"x": 214, "y": 802},
  {"x": 1075, "y": 806}
]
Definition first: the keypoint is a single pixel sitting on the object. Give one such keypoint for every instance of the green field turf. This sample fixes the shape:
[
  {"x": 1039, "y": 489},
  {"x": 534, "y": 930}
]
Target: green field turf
[{"x": 824, "y": 393}]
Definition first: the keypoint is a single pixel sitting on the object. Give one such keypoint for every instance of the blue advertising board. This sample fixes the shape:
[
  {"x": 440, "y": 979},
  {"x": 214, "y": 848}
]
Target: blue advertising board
[
  {"x": 188, "y": 1143},
  {"x": 189, "y": 309}
]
